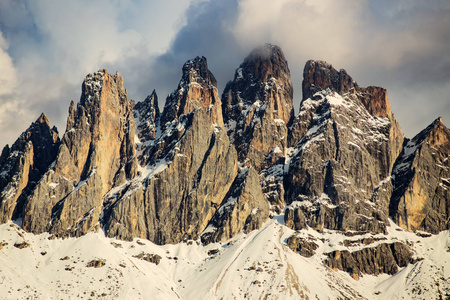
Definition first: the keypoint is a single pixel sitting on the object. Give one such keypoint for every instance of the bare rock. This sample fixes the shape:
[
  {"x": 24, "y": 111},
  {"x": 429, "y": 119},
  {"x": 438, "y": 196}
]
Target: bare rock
[
  {"x": 257, "y": 106},
  {"x": 197, "y": 88},
  {"x": 97, "y": 147},
  {"x": 384, "y": 258},
  {"x": 302, "y": 246},
  {"x": 22, "y": 245},
  {"x": 96, "y": 263},
  {"x": 3, "y": 244},
  {"x": 190, "y": 168},
  {"x": 23, "y": 165},
  {"x": 152, "y": 258},
  {"x": 339, "y": 170},
  {"x": 147, "y": 116},
  {"x": 243, "y": 209},
  {"x": 421, "y": 176}
]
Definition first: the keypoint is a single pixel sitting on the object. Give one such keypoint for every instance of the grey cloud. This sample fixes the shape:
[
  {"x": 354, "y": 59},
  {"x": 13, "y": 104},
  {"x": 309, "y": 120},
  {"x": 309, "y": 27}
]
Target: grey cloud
[
  {"x": 403, "y": 45},
  {"x": 207, "y": 33}
]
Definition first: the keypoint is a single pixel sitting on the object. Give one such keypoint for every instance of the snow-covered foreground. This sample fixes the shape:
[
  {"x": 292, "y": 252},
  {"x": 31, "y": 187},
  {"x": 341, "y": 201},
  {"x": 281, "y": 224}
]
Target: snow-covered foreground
[{"x": 258, "y": 265}]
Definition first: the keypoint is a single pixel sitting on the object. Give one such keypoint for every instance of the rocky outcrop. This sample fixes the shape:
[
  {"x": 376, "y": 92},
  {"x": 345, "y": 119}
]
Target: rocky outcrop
[
  {"x": 421, "y": 177},
  {"x": 23, "y": 165},
  {"x": 96, "y": 153},
  {"x": 244, "y": 208},
  {"x": 339, "y": 171},
  {"x": 304, "y": 247},
  {"x": 257, "y": 106},
  {"x": 320, "y": 75},
  {"x": 384, "y": 258}
]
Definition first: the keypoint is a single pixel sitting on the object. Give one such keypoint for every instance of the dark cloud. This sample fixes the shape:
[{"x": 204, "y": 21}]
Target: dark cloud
[{"x": 207, "y": 33}]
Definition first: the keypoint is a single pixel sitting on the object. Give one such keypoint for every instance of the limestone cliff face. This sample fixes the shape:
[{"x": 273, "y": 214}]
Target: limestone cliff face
[
  {"x": 22, "y": 165},
  {"x": 421, "y": 177},
  {"x": 244, "y": 208},
  {"x": 257, "y": 106},
  {"x": 384, "y": 258},
  {"x": 347, "y": 141},
  {"x": 96, "y": 153},
  {"x": 189, "y": 169}
]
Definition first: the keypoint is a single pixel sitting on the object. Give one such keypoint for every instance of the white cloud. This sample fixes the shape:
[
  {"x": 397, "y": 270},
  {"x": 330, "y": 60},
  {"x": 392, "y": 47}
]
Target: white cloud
[
  {"x": 54, "y": 44},
  {"x": 307, "y": 28},
  {"x": 396, "y": 44},
  {"x": 8, "y": 75}
]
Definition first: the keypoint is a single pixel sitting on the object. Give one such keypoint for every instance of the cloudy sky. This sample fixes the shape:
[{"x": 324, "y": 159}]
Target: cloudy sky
[{"x": 48, "y": 47}]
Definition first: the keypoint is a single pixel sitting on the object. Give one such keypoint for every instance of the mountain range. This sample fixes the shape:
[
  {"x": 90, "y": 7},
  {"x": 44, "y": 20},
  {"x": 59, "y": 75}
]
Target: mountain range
[{"x": 254, "y": 200}]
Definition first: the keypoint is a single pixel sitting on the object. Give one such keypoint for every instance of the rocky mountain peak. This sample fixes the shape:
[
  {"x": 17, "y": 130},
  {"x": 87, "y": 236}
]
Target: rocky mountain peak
[
  {"x": 97, "y": 152},
  {"x": 376, "y": 101},
  {"x": 23, "y": 165},
  {"x": 196, "y": 70},
  {"x": 92, "y": 86},
  {"x": 257, "y": 105},
  {"x": 197, "y": 90},
  {"x": 421, "y": 178},
  {"x": 319, "y": 75},
  {"x": 42, "y": 119},
  {"x": 435, "y": 133},
  {"x": 264, "y": 63},
  {"x": 440, "y": 134}
]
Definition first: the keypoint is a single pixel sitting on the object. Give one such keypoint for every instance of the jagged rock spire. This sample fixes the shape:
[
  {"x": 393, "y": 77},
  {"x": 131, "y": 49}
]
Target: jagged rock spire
[
  {"x": 320, "y": 75},
  {"x": 96, "y": 153},
  {"x": 345, "y": 141},
  {"x": 257, "y": 105},
  {"x": 197, "y": 89},
  {"x": 147, "y": 117},
  {"x": 186, "y": 172},
  {"x": 421, "y": 178},
  {"x": 24, "y": 164}
]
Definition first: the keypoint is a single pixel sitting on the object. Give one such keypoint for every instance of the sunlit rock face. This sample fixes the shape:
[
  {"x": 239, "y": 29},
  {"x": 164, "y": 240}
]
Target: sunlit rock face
[
  {"x": 188, "y": 172},
  {"x": 96, "y": 153},
  {"x": 257, "y": 106},
  {"x": 421, "y": 176}
]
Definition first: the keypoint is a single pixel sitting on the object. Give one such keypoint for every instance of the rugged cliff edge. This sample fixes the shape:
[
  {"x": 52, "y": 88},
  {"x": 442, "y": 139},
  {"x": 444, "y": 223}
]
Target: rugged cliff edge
[
  {"x": 96, "y": 154},
  {"x": 22, "y": 166},
  {"x": 345, "y": 141},
  {"x": 421, "y": 177}
]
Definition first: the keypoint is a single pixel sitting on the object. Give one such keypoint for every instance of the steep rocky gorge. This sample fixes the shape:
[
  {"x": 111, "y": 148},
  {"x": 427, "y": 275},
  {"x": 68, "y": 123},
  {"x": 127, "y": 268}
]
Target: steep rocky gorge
[{"x": 209, "y": 167}]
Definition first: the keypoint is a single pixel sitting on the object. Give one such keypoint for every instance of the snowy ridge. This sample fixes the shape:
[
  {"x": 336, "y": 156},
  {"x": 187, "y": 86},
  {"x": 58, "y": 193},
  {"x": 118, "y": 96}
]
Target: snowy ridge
[{"x": 254, "y": 266}]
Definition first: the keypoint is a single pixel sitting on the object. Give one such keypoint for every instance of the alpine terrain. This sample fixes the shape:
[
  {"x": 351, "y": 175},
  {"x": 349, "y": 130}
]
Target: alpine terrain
[{"x": 227, "y": 197}]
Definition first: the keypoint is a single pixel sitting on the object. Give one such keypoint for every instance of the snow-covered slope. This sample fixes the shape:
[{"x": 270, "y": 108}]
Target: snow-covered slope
[{"x": 258, "y": 265}]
